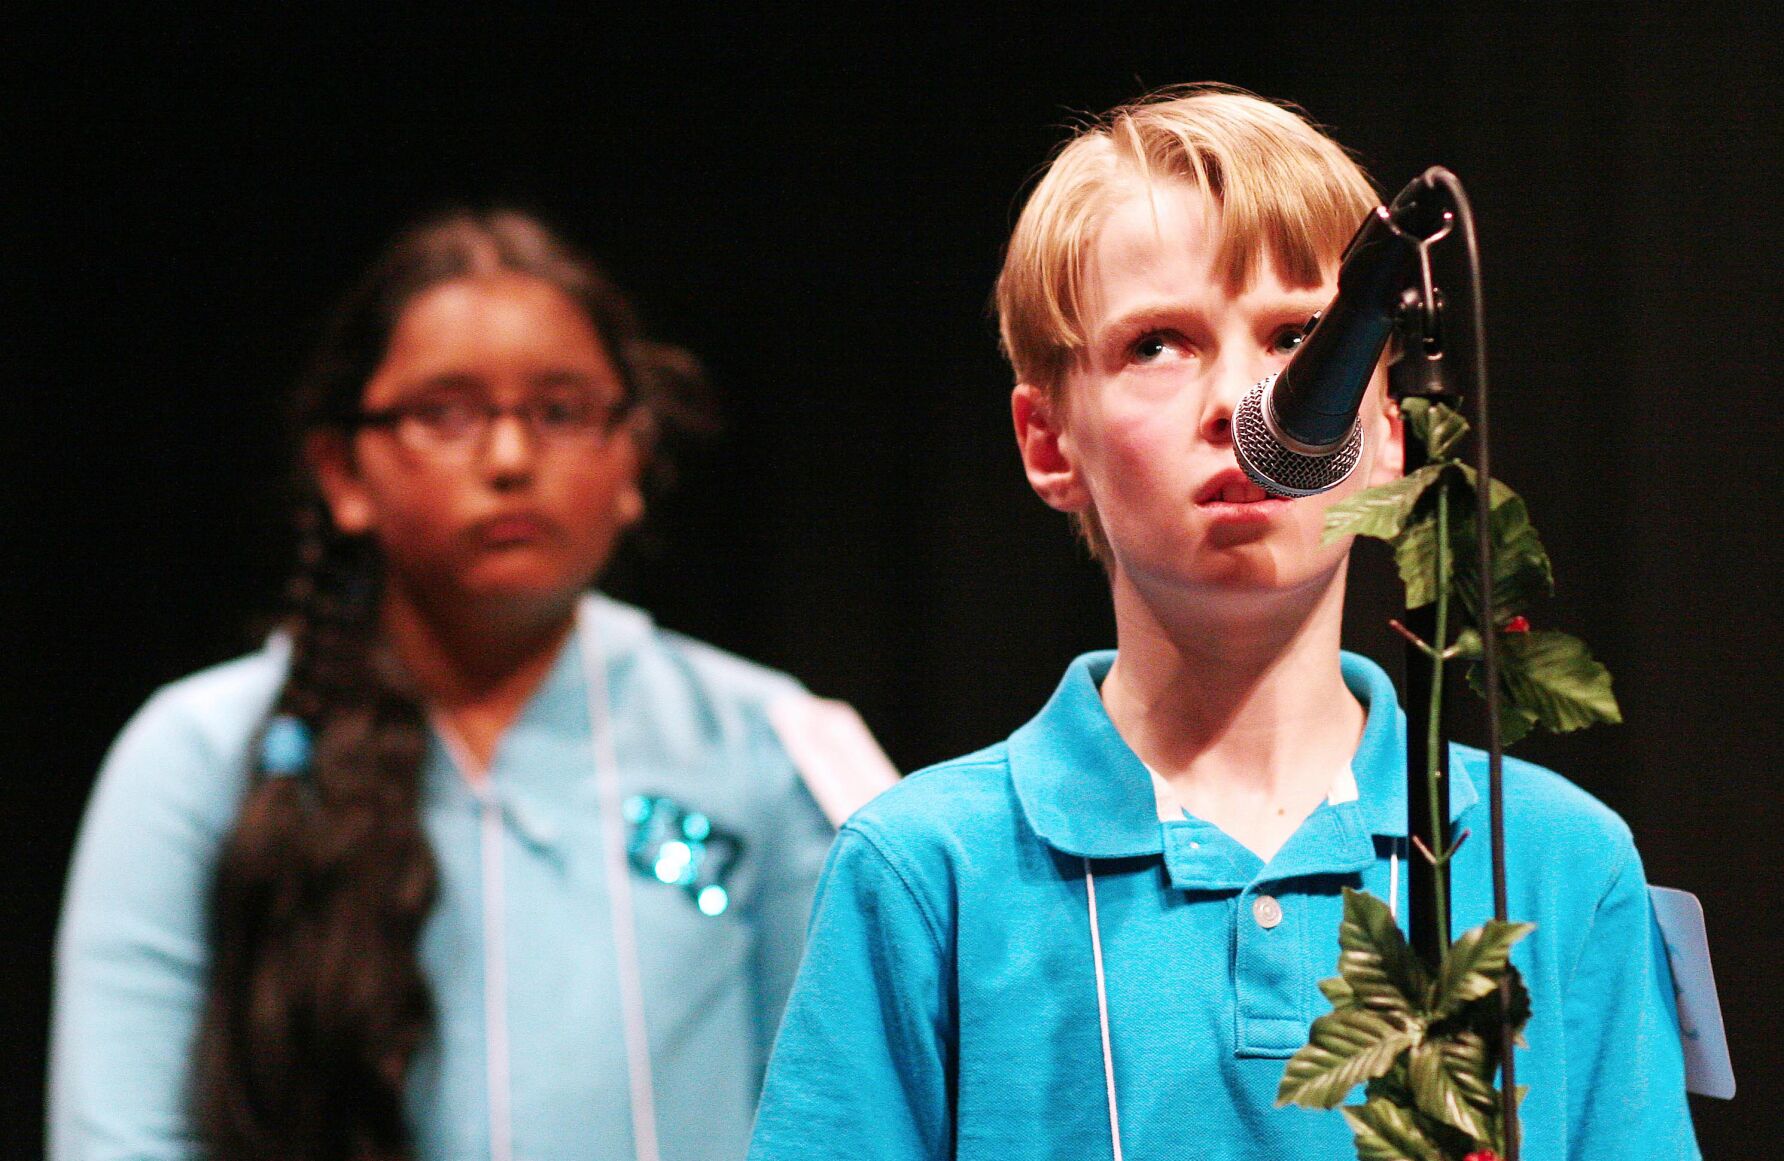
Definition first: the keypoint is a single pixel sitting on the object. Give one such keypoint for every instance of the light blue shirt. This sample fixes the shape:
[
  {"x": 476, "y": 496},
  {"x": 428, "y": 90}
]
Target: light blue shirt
[
  {"x": 688, "y": 723},
  {"x": 947, "y": 1006}
]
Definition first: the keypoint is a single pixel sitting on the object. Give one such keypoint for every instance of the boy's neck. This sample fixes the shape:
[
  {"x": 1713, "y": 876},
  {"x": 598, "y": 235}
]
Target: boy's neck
[{"x": 1240, "y": 707}]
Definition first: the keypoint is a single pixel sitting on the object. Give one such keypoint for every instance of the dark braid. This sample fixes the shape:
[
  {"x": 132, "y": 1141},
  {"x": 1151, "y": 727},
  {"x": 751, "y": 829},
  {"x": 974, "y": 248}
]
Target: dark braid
[{"x": 317, "y": 1003}]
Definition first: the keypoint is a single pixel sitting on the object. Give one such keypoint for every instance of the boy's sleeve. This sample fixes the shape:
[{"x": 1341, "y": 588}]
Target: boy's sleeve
[
  {"x": 864, "y": 1064},
  {"x": 1626, "y": 1070},
  {"x": 131, "y": 954},
  {"x": 799, "y": 839}
]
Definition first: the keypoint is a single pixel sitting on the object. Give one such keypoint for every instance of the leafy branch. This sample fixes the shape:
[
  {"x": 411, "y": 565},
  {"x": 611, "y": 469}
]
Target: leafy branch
[
  {"x": 1420, "y": 1040},
  {"x": 1425, "y": 1041},
  {"x": 1547, "y": 678}
]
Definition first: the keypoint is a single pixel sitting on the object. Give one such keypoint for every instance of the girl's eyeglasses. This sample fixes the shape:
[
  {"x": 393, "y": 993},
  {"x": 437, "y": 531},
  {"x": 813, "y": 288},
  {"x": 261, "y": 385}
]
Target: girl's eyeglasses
[{"x": 459, "y": 426}]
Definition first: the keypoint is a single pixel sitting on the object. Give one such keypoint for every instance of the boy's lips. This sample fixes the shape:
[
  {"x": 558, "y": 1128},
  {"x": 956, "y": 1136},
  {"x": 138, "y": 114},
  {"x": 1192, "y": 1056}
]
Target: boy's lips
[{"x": 1233, "y": 487}]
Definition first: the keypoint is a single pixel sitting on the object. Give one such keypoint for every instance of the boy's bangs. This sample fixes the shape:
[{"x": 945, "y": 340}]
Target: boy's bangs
[{"x": 1283, "y": 191}]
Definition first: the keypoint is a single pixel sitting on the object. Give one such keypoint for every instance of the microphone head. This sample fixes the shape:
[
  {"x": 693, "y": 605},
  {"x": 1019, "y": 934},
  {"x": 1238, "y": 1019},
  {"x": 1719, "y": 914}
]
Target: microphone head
[{"x": 1267, "y": 457}]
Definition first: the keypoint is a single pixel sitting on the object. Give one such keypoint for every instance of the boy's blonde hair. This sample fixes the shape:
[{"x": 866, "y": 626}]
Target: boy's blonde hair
[{"x": 1280, "y": 186}]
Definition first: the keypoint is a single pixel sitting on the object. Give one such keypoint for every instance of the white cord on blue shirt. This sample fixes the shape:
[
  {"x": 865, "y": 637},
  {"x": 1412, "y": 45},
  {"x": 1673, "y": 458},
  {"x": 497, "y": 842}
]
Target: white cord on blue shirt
[
  {"x": 495, "y": 980},
  {"x": 498, "y": 1081},
  {"x": 1102, "y": 1012},
  {"x": 1102, "y": 991},
  {"x": 499, "y": 1078},
  {"x": 619, "y": 882}
]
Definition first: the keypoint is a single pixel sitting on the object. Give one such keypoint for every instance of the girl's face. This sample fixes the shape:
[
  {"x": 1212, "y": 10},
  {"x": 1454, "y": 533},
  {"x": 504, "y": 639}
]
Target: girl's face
[{"x": 500, "y": 467}]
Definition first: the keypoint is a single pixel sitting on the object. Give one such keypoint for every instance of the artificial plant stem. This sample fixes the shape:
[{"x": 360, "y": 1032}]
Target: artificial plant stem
[{"x": 1434, "y": 726}]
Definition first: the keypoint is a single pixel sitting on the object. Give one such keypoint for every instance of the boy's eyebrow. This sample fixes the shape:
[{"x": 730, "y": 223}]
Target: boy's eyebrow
[
  {"x": 1163, "y": 311},
  {"x": 1305, "y": 302},
  {"x": 1157, "y": 311}
]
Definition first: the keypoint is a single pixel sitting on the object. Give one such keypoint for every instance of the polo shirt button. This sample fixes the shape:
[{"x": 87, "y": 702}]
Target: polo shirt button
[{"x": 1267, "y": 911}]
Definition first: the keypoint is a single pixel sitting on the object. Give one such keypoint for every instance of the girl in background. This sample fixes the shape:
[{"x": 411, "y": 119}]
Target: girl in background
[{"x": 467, "y": 861}]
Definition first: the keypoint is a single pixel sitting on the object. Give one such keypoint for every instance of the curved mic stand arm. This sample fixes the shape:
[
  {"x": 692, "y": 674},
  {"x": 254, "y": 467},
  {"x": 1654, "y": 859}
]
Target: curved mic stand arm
[
  {"x": 1426, "y": 210},
  {"x": 1483, "y": 522}
]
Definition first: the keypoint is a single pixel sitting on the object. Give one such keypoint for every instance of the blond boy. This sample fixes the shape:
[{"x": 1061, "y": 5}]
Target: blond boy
[{"x": 1102, "y": 936}]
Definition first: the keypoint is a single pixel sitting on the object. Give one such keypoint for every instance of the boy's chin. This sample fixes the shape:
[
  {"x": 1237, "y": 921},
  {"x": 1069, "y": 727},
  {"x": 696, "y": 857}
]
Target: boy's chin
[{"x": 1241, "y": 572}]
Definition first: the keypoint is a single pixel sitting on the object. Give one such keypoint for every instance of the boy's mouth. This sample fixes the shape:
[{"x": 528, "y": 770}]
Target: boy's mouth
[{"x": 1232, "y": 487}]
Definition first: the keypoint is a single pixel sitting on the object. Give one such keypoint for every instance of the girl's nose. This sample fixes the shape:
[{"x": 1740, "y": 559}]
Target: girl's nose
[{"x": 510, "y": 444}]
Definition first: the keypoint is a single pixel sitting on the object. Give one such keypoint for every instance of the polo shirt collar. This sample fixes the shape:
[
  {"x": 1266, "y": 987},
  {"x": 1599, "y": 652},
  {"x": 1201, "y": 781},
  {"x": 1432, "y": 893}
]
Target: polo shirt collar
[
  {"x": 1380, "y": 761},
  {"x": 1083, "y": 790},
  {"x": 1087, "y": 794}
]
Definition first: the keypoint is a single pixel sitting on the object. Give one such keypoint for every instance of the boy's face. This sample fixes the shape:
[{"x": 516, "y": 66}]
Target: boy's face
[{"x": 1142, "y": 430}]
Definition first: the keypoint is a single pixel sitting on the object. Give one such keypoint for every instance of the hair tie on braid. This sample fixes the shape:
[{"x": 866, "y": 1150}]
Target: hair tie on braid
[{"x": 285, "y": 747}]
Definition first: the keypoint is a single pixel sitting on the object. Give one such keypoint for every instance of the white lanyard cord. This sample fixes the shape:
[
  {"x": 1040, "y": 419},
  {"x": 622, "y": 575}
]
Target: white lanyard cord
[
  {"x": 619, "y": 882},
  {"x": 498, "y": 1078},
  {"x": 1102, "y": 1012},
  {"x": 495, "y": 982}
]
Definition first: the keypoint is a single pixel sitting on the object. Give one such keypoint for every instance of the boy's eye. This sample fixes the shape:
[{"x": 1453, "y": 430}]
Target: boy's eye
[
  {"x": 1287, "y": 339},
  {"x": 1149, "y": 348}
]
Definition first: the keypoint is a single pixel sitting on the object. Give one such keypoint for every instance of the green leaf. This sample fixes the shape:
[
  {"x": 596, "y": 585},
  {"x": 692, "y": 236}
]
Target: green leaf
[
  {"x": 1475, "y": 964},
  {"x": 1415, "y": 554},
  {"x": 1436, "y": 425},
  {"x": 1451, "y": 1081},
  {"x": 1375, "y": 961},
  {"x": 1515, "y": 722},
  {"x": 1387, "y": 1132},
  {"x": 1380, "y": 511},
  {"x": 1482, "y": 1015},
  {"x": 1553, "y": 677},
  {"x": 1501, "y": 491},
  {"x": 1521, "y": 568},
  {"x": 1343, "y": 1049},
  {"x": 1391, "y": 1086},
  {"x": 1338, "y": 991}
]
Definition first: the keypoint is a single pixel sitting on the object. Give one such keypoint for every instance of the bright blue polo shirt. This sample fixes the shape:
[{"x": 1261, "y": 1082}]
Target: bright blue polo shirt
[{"x": 947, "y": 1005}]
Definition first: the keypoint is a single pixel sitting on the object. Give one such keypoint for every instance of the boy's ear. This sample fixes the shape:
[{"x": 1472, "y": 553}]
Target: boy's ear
[
  {"x": 330, "y": 456},
  {"x": 1048, "y": 457},
  {"x": 1390, "y": 447}
]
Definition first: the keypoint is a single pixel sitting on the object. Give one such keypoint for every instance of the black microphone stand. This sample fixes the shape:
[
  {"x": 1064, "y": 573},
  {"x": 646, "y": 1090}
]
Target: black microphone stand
[
  {"x": 1419, "y": 373},
  {"x": 1431, "y": 205}
]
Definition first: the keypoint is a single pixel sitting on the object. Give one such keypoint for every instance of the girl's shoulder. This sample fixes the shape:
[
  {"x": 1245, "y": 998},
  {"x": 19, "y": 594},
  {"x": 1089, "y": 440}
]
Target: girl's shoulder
[
  {"x": 662, "y": 661},
  {"x": 179, "y": 767},
  {"x": 210, "y": 715}
]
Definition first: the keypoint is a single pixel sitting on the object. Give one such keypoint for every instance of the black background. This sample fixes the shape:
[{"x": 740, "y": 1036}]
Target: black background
[{"x": 816, "y": 205}]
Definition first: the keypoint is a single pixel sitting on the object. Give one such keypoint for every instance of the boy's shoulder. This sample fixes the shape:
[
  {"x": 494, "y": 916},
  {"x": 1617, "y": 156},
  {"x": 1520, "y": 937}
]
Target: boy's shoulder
[
  {"x": 1554, "y": 823},
  {"x": 1534, "y": 792},
  {"x": 962, "y": 800}
]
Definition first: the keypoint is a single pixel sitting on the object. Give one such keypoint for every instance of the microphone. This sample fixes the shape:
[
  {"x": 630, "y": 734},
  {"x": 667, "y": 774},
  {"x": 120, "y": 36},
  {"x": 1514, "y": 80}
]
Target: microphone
[{"x": 1296, "y": 433}]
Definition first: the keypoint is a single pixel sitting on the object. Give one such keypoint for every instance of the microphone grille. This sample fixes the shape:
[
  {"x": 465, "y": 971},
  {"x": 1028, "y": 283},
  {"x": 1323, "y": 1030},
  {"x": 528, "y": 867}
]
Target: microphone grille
[{"x": 1278, "y": 470}]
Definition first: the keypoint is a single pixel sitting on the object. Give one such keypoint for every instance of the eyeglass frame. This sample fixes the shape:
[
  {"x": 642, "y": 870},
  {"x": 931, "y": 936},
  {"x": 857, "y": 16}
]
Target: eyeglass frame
[{"x": 606, "y": 417}]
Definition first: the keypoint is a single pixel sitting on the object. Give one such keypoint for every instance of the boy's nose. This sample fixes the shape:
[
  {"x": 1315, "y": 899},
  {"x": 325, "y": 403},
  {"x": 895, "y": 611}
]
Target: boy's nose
[{"x": 1230, "y": 387}]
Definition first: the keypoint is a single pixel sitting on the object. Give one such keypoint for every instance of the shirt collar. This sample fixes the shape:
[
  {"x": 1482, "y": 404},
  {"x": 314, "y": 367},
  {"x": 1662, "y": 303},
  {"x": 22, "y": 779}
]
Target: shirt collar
[
  {"x": 1087, "y": 794},
  {"x": 545, "y": 752}
]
